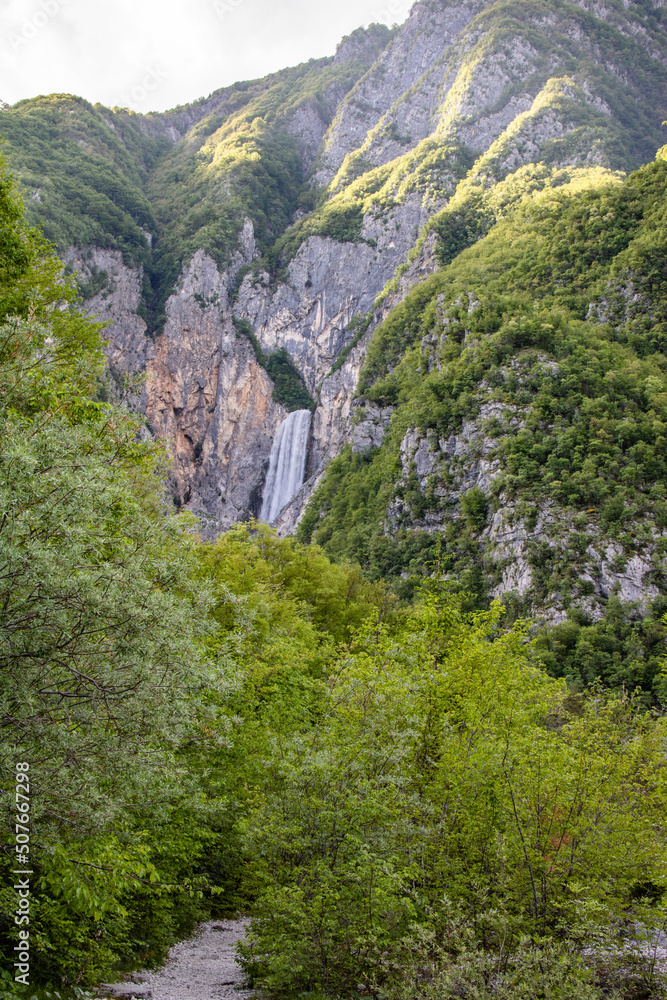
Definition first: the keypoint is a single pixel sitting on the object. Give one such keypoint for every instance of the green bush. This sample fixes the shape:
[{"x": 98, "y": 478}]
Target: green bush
[
  {"x": 474, "y": 505},
  {"x": 458, "y": 230},
  {"x": 448, "y": 816},
  {"x": 289, "y": 388}
]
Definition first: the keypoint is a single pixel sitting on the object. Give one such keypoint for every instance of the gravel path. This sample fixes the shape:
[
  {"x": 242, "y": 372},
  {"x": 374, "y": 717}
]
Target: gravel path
[{"x": 203, "y": 967}]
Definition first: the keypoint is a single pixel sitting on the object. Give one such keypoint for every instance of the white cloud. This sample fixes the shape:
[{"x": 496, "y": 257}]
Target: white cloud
[{"x": 155, "y": 54}]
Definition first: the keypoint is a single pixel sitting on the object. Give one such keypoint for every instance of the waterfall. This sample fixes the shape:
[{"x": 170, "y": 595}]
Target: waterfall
[{"x": 287, "y": 464}]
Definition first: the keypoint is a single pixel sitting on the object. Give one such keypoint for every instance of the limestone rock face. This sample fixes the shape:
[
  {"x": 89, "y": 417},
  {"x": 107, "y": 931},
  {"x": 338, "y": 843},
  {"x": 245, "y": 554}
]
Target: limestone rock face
[
  {"x": 514, "y": 545},
  {"x": 116, "y": 303},
  {"x": 332, "y": 421},
  {"x": 384, "y": 94},
  {"x": 449, "y": 76},
  {"x": 329, "y": 283},
  {"x": 204, "y": 392},
  {"x": 211, "y": 400},
  {"x": 369, "y": 431},
  {"x": 290, "y": 516},
  {"x": 308, "y": 127}
]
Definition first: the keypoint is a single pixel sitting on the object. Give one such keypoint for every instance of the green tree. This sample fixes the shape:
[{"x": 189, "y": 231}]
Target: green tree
[{"x": 102, "y": 667}]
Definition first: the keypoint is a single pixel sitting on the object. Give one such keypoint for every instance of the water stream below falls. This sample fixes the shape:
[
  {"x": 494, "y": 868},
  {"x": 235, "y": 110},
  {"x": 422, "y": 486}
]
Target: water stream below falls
[{"x": 287, "y": 464}]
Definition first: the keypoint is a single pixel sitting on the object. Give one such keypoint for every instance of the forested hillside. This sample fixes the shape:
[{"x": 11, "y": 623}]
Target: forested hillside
[{"x": 525, "y": 457}]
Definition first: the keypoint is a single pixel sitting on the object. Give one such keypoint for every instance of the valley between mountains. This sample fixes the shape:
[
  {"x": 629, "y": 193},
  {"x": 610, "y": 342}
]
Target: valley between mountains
[{"x": 407, "y": 305}]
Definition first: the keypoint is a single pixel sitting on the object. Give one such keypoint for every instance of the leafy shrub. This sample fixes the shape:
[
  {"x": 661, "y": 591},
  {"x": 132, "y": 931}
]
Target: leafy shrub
[
  {"x": 459, "y": 229},
  {"x": 290, "y": 388},
  {"x": 432, "y": 817},
  {"x": 474, "y": 505},
  {"x": 103, "y": 628}
]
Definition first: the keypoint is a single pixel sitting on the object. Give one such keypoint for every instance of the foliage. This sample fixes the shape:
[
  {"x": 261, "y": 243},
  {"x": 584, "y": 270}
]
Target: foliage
[
  {"x": 623, "y": 648},
  {"x": 127, "y": 659},
  {"x": 537, "y": 969},
  {"x": 624, "y": 139},
  {"x": 83, "y": 169},
  {"x": 430, "y": 170},
  {"x": 97, "y": 284},
  {"x": 407, "y": 802},
  {"x": 242, "y": 162},
  {"x": 102, "y": 669},
  {"x": 341, "y": 222},
  {"x": 284, "y": 608},
  {"x": 447, "y": 800},
  {"x": 106, "y": 177},
  {"x": 458, "y": 230},
  {"x": 289, "y": 388}
]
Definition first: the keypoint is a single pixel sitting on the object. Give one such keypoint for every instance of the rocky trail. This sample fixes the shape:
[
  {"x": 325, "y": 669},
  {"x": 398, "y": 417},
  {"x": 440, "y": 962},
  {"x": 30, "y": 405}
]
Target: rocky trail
[{"x": 203, "y": 967}]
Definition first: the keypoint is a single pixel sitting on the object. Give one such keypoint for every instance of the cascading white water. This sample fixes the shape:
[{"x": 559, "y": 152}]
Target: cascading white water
[{"x": 287, "y": 464}]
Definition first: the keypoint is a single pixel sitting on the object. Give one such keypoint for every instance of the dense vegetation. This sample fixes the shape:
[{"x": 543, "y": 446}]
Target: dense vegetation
[
  {"x": 101, "y": 634},
  {"x": 83, "y": 170},
  {"x": 415, "y": 792},
  {"x": 446, "y": 801},
  {"x": 400, "y": 795},
  {"x": 115, "y": 671}
]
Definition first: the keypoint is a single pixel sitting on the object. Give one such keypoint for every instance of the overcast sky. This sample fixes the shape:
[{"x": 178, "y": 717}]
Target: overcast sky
[{"x": 150, "y": 55}]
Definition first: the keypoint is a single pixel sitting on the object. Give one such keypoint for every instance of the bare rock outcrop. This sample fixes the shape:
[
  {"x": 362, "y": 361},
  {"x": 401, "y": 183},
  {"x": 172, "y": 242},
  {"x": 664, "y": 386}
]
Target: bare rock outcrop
[
  {"x": 427, "y": 35},
  {"x": 515, "y": 545},
  {"x": 204, "y": 394},
  {"x": 328, "y": 284},
  {"x": 113, "y": 291},
  {"x": 208, "y": 396}
]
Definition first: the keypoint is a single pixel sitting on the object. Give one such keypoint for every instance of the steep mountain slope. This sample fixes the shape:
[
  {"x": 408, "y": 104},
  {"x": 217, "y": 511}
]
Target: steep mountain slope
[
  {"x": 83, "y": 171},
  {"x": 293, "y": 214},
  {"x": 146, "y": 217},
  {"x": 524, "y": 393}
]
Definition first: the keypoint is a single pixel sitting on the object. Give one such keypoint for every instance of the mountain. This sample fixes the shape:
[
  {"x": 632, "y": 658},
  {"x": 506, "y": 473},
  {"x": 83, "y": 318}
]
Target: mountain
[{"x": 434, "y": 237}]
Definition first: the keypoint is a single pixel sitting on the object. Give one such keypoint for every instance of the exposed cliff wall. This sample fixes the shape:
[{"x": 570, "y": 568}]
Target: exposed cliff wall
[
  {"x": 208, "y": 396},
  {"x": 521, "y": 551},
  {"x": 328, "y": 284},
  {"x": 113, "y": 293},
  {"x": 469, "y": 74},
  {"x": 204, "y": 392},
  {"x": 395, "y": 104}
]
